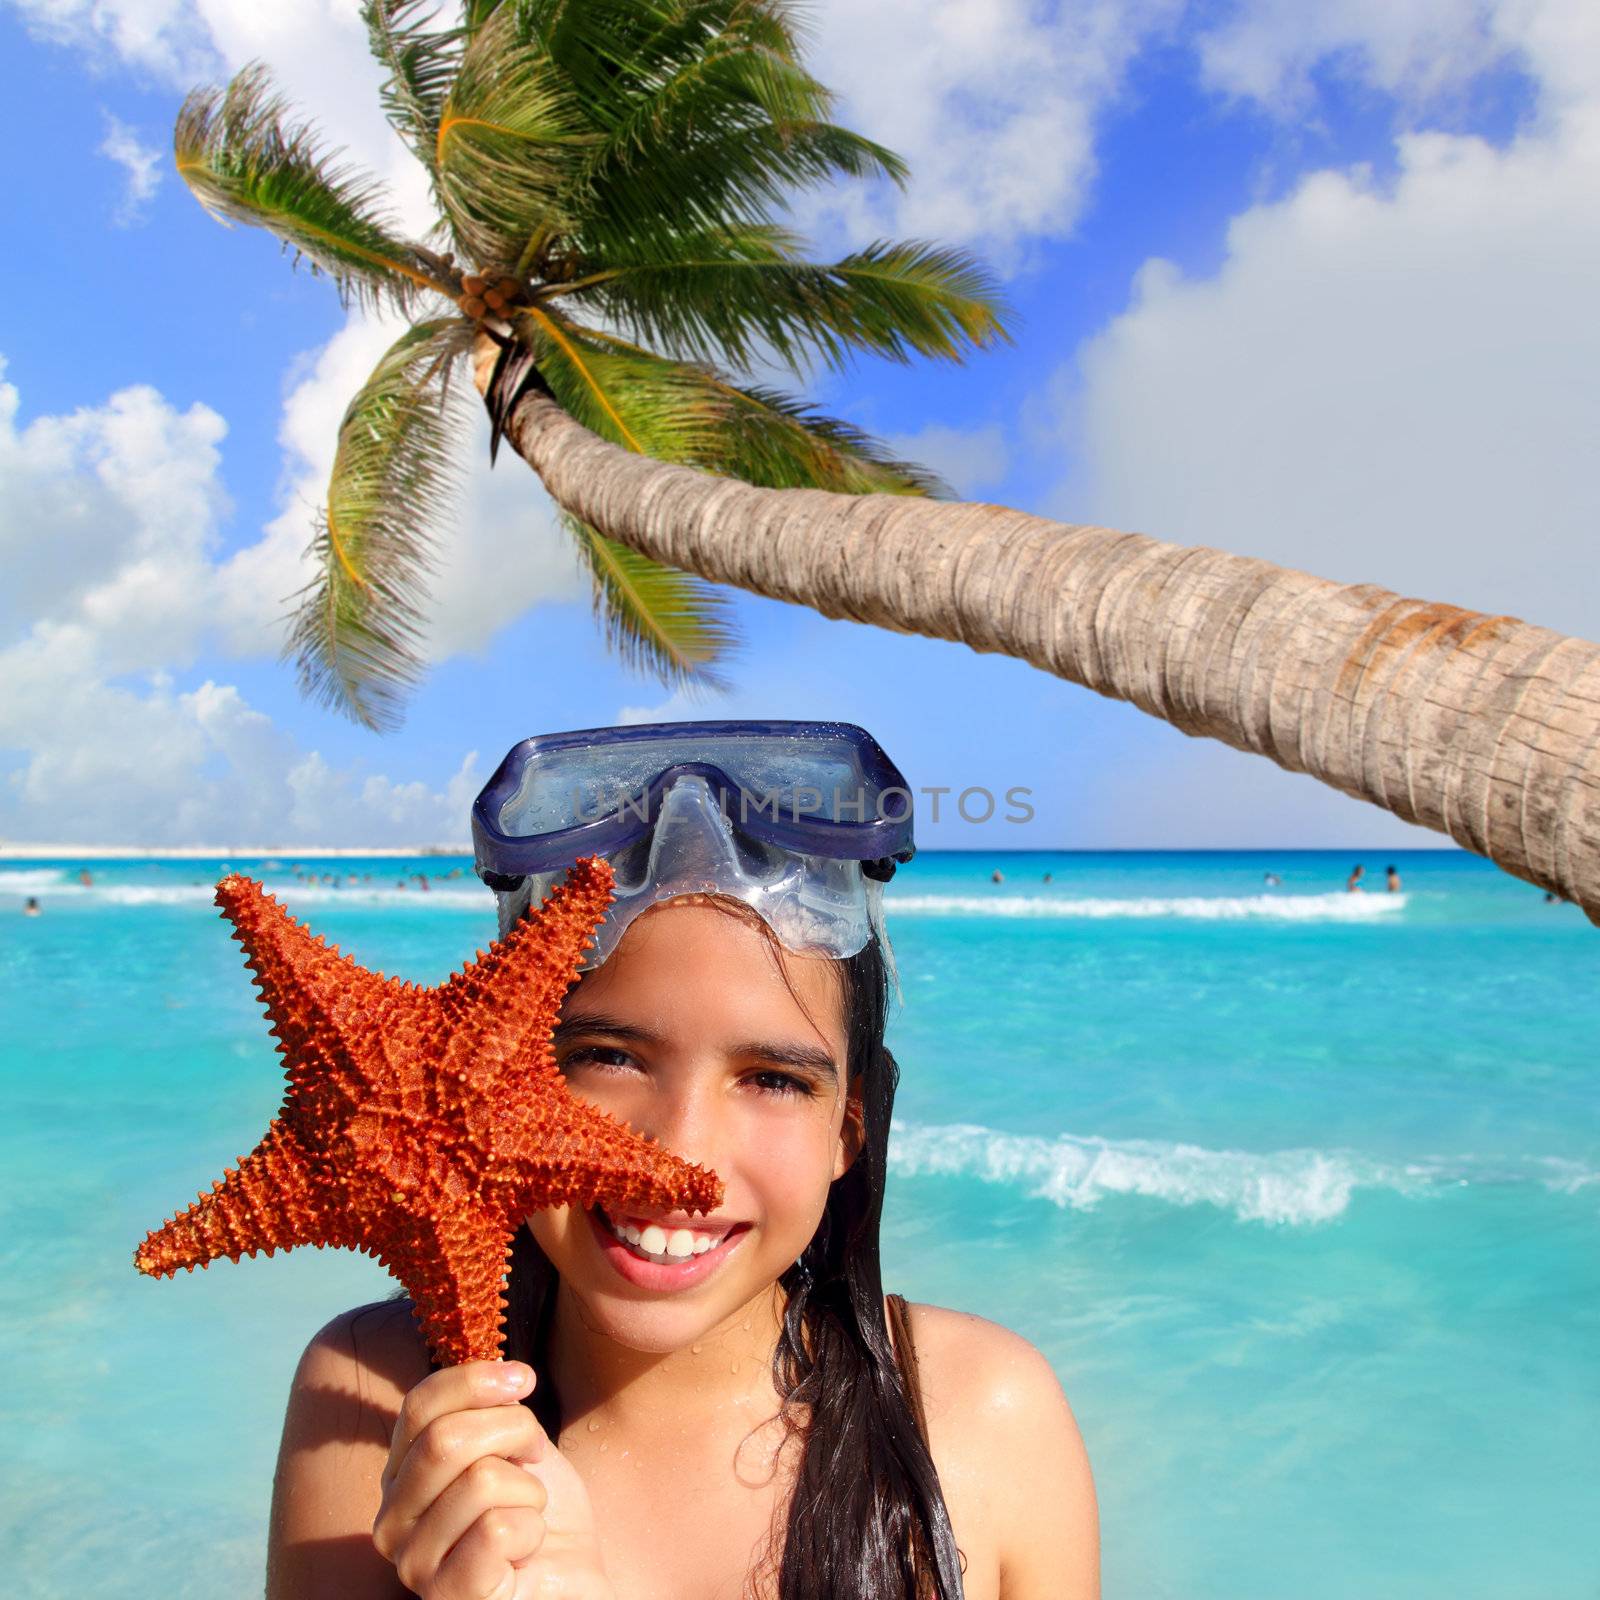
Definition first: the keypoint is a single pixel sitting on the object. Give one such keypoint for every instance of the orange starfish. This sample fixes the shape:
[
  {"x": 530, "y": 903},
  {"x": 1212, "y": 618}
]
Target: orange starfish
[{"x": 422, "y": 1125}]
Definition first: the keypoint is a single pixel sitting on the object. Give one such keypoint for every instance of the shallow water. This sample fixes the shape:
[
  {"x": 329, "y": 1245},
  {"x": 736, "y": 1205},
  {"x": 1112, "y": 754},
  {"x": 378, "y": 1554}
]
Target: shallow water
[{"x": 1298, "y": 1190}]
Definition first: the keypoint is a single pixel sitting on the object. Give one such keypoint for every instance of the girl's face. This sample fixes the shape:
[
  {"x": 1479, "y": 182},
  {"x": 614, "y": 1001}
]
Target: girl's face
[{"x": 694, "y": 1034}]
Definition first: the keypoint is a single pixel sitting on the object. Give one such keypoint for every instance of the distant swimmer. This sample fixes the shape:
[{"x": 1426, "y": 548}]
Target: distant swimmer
[
  {"x": 31, "y": 906},
  {"x": 1046, "y": 878},
  {"x": 1353, "y": 882},
  {"x": 1271, "y": 879},
  {"x": 86, "y": 878},
  {"x": 1392, "y": 880},
  {"x": 997, "y": 876}
]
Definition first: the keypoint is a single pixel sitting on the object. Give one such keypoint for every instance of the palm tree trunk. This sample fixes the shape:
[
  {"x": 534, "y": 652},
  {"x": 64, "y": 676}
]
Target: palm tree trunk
[{"x": 1483, "y": 727}]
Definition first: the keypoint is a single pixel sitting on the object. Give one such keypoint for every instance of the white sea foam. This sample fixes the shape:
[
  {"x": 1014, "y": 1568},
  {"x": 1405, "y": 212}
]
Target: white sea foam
[
  {"x": 294, "y": 894},
  {"x": 468, "y": 896},
  {"x": 1332, "y": 907},
  {"x": 1294, "y": 1187},
  {"x": 30, "y": 880}
]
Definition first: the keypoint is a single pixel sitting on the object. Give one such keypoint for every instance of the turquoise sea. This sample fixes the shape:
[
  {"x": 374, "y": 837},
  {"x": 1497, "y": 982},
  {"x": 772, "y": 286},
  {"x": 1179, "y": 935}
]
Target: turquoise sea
[{"x": 1299, "y": 1191}]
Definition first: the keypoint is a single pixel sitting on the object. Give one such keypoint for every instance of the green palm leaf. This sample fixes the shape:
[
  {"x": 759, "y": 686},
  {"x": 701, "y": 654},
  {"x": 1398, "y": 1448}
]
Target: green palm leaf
[
  {"x": 355, "y": 634},
  {"x": 668, "y": 623},
  {"x": 739, "y": 293},
  {"x": 691, "y": 413},
  {"x": 245, "y": 164},
  {"x": 657, "y": 619},
  {"x": 638, "y": 204},
  {"x": 421, "y": 60},
  {"x": 508, "y": 139}
]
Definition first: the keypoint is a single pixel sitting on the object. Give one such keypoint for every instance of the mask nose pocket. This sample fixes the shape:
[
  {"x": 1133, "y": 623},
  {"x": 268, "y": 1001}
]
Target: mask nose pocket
[{"x": 694, "y": 848}]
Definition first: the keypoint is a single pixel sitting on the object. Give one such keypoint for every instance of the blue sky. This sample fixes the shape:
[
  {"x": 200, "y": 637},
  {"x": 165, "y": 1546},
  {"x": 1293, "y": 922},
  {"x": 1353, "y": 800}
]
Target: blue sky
[{"x": 1307, "y": 283}]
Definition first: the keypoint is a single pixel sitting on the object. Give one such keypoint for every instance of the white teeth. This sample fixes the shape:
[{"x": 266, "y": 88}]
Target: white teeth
[{"x": 659, "y": 1245}]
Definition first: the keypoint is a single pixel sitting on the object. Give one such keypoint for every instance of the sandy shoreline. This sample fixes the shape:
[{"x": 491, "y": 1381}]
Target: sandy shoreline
[{"x": 224, "y": 852}]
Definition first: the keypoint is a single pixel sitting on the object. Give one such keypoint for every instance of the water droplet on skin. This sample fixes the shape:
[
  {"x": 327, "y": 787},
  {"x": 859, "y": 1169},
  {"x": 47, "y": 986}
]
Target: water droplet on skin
[
  {"x": 603, "y": 1445},
  {"x": 594, "y": 1425},
  {"x": 695, "y": 1349},
  {"x": 734, "y": 1367},
  {"x": 747, "y": 1327}
]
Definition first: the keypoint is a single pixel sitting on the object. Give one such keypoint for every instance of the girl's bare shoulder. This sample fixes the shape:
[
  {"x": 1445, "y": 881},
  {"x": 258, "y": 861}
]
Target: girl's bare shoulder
[
  {"x": 1009, "y": 1454},
  {"x": 342, "y": 1408},
  {"x": 368, "y": 1358}
]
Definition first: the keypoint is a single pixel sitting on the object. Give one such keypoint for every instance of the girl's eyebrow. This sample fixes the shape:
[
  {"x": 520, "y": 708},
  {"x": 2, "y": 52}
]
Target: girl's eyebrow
[{"x": 811, "y": 1060}]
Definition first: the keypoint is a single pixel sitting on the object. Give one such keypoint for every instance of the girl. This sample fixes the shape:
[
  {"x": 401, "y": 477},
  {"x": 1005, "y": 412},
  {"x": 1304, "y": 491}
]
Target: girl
[{"x": 692, "y": 1407}]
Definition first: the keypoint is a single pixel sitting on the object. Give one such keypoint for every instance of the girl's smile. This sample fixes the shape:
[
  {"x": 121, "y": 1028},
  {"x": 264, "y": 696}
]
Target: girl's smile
[{"x": 665, "y": 1255}]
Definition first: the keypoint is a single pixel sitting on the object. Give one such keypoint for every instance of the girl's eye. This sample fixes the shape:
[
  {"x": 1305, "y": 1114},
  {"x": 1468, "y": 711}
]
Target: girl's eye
[
  {"x": 781, "y": 1083},
  {"x": 599, "y": 1055}
]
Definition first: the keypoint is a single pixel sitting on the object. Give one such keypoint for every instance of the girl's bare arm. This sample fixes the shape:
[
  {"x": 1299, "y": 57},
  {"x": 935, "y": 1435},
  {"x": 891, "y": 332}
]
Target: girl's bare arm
[{"x": 342, "y": 1408}]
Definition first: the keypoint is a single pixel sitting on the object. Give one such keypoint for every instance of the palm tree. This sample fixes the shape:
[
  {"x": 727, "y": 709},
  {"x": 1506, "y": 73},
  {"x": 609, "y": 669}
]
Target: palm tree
[
  {"x": 606, "y": 175},
  {"x": 1483, "y": 727},
  {"x": 622, "y": 159}
]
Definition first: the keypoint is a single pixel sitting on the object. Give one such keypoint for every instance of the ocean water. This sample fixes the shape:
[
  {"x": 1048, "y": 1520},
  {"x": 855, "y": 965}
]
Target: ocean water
[{"x": 1298, "y": 1190}]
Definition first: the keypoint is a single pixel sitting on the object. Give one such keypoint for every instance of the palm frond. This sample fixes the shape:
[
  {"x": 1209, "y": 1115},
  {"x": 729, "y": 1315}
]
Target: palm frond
[
  {"x": 645, "y": 72},
  {"x": 738, "y": 294},
  {"x": 701, "y": 182},
  {"x": 658, "y": 620},
  {"x": 780, "y": 442},
  {"x": 691, "y": 413},
  {"x": 508, "y": 139},
  {"x": 356, "y": 632},
  {"x": 646, "y": 407},
  {"x": 246, "y": 162},
  {"x": 474, "y": 13},
  {"x": 422, "y": 59}
]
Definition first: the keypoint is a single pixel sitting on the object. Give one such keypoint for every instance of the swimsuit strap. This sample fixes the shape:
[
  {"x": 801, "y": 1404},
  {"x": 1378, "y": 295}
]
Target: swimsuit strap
[{"x": 905, "y": 1352}]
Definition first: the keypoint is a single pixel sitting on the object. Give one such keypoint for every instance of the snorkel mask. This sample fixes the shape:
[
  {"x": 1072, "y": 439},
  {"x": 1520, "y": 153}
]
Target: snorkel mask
[{"x": 802, "y": 821}]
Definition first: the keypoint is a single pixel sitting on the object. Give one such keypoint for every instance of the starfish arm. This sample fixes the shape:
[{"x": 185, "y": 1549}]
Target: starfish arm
[
  {"x": 307, "y": 987},
  {"x": 574, "y": 1154},
  {"x": 271, "y": 1202},
  {"x": 503, "y": 1005},
  {"x": 454, "y": 1265}
]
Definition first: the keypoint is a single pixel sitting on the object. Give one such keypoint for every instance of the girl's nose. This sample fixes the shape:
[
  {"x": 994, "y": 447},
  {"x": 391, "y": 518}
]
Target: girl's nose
[{"x": 684, "y": 1120}]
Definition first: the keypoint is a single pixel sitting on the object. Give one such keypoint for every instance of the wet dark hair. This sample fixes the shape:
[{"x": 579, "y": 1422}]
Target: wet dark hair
[{"x": 867, "y": 1520}]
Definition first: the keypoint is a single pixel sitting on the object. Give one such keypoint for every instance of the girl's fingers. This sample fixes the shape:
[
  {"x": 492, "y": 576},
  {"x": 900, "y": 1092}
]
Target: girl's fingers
[
  {"x": 492, "y": 1496},
  {"x": 451, "y": 1445},
  {"x": 482, "y": 1566},
  {"x": 472, "y": 1385}
]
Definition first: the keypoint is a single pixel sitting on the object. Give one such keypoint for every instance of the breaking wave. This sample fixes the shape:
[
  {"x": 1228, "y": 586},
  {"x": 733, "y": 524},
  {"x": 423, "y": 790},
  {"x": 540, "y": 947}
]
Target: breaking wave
[{"x": 1292, "y": 1187}]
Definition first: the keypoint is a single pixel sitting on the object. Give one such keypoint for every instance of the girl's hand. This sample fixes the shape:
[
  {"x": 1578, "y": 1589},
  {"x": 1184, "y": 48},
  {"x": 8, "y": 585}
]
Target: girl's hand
[{"x": 478, "y": 1504}]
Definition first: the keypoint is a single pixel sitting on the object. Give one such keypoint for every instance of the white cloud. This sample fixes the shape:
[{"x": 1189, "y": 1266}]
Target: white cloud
[
  {"x": 108, "y": 533},
  {"x": 106, "y": 522},
  {"x": 1385, "y": 382},
  {"x": 968, "y": 459},
  {"x": 1418, "y": 50},
  {"x": 141, "y": 165},
  {"x": 992, "y": 102}
]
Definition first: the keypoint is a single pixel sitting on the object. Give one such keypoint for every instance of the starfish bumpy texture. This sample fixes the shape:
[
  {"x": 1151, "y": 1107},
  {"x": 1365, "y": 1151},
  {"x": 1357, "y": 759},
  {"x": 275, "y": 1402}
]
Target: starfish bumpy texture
[{"x": 422, "y": 1125}]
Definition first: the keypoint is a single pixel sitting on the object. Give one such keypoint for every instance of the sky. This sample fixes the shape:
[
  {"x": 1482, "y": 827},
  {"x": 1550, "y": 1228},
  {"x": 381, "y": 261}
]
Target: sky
[{"x": 1311, "y": 283}]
